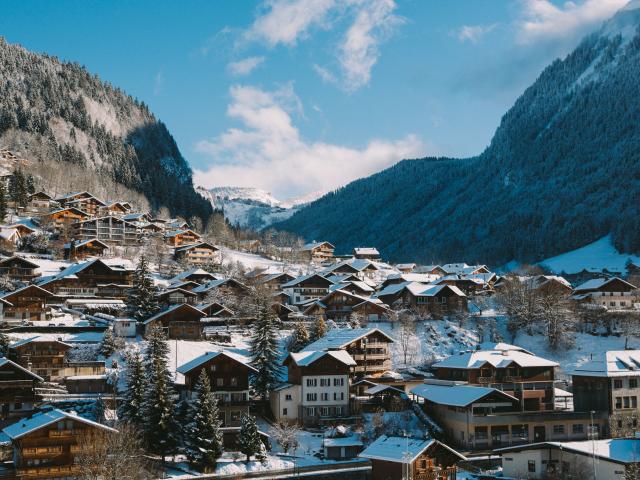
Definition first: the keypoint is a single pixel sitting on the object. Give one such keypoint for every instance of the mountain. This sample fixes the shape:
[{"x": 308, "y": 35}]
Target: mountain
[
  {"x": 253, "y": 207},
  {"x": 562, "y": 171},
  {"x": 77, "y": 132}
]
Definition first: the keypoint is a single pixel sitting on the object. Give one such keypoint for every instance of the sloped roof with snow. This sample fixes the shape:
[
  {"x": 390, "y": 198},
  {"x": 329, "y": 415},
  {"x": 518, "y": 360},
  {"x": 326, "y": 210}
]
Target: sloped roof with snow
[
  {"x": 366, "y": 251},
  {"x": 597, "y": 283},
  {"x": 338, "y": 338},
  {"x": 40, "y": 420},
  {"x": 401, "y": 449},
  {"x": 26, "y": 341},
  {"x": 308, "y": 357},
  {"x": 5, "y": 361},
  {"x": 614, "y": 363},
  {"x": 202, "y": 359},
  {"x": 456, "y": 395},
  {"x": 618, "y": 450},
  {"x": 171, "y": 309},
  {"x": 497, "y": 358}
]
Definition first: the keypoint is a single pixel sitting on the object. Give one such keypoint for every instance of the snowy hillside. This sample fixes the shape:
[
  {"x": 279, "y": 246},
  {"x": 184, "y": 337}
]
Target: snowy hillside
[
  {"x": 595, "y": 257},
  {"x": 253, "y": 207}
]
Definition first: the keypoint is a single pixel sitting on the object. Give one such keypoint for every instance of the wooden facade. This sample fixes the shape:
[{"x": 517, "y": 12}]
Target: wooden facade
[
  {"x": 44, "y": 357},
  {"x": 178, "y": 238},
  {"x": 198, "y": 254},
  {"x": 18, "y": 268},
  {"x": 179, "y": 321},
  {"x": 17, "y": 389},
  {"x": 27, "y": 303}
]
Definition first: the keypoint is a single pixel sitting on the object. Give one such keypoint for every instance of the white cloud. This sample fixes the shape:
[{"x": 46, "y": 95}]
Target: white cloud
[
  {"x": 269, "y": 152},
  {"x": 158, "y": 83},
  {"x": 544, "y": 20},
  {"x": 325, "y": 74},
  {"x": 474, "y": 33},
  {"x": 244, "y": 66}
]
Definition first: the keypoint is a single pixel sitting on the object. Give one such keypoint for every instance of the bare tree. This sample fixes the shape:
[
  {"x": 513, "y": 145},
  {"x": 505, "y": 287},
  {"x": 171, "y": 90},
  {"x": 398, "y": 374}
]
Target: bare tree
[
  {"x": 406, "y": 336},
  {"x": 286, "y": 435}
]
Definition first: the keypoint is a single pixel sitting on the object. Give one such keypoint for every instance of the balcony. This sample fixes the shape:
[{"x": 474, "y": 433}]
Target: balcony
[
  {"x": 486, "y": 379},
  {"x": 62, "y": 433},
  {"x": 41, "y": 452},
  {"x": 50, "y": 471}
]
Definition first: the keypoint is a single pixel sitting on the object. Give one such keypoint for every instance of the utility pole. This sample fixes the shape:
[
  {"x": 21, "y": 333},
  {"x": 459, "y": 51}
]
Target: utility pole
[{"x": 593, "y": 447}]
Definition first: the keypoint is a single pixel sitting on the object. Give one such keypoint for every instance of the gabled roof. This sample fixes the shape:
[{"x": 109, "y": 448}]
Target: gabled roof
[
  {"x": 5, "y": 361},
  {"x": 366, "y": 251},
  {"x": 313, "y": 245},
  {"x": 26, "y": 341},
  {"x": 614, "y": 363},
  {"x": 69, "y": 209},
  {"x": 617, "y": 450},
  {"x": 456, "y": 395},
  {"x": 202, "y": 359},
  {"x": 86, "y": 242},
  {"x": 171, "y": 309},
  {"x": 10, "y": 294},
  {"x": 40, "y": 420},
  {"x": 21, "y": 259},
  {"x": 194, "y": 271},
  {"x": 338, "y": 338},
  {"x": 434, "y": 290},
  {"x": 401, "y": 449},
  {"x": 309, "y": 357},
  {"x": 218, "y": 283},
  {"x": 173, "y": 233},
  {"x": 196, "y": 245},
  {"x": 305, "y": 278},
  {"x": 598, "y": 283},
  {"x": 500, "y": 358}
]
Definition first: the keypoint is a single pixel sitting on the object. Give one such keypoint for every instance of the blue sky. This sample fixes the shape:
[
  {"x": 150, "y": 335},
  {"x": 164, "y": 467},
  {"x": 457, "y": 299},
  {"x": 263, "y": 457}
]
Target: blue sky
[{"x": 296, "y": 96}]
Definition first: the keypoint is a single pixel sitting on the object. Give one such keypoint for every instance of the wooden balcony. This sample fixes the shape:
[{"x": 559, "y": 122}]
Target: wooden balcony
[{"x": 51, "y": 471}]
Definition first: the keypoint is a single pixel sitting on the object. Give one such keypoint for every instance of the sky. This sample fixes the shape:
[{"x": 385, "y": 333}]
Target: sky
[{"x": 302, "y": 96}]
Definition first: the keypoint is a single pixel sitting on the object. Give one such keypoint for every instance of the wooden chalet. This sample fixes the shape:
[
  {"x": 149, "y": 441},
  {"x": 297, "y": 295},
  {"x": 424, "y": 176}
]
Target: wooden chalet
[
  {"x": 62, "y": 218},
  {"x": 196, "y": 275},
  {"x": 19, "y": 269},
  {"x": 40, "y": 202},
  {"x": 27, "y": 303},
  {"x": 229, "y": 376},
  {"x": 274, "y": 281},
  {"x": 83, "y": 249},
  {"x": 182, "y": 321},
  {"x": 318, "y": 252},
  {"x": 226, "y": 286},
  {"x": 366, "y": 253},
  {"x": 176, "y": 296},
  {"x": 611, "y": 293},
  {"x": 83, "y": 201},
  {"x": 177, "y": 238},
  {"x": 44, "y": 357},
  {"x": 115, "y": 208},
  {"x": 45, "y": 445},
  {"x": 17, "y": 389},
  {"x": 303, "y": 289},
  {"x": 198, "y": 254},
  {"x": 215, "y": 310}
]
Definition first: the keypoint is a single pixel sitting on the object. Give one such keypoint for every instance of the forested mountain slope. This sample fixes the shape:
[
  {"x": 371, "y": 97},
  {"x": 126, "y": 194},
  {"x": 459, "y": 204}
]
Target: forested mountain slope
[
  {"x": 80, "y": 133},
  {"x": 562, "y": 170}
]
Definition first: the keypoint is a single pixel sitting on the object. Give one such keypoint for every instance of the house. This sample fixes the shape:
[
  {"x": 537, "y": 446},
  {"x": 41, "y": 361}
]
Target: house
[
  {"x": 484, "y": 418},
  {"x": 23, "y": 228},
  {"x": 9, "y": 237},
  {"x": 197, "y": 275},
  {"x": 340, "y": 305},
  {"x": 406, "y": 267},
  {"x": 361, "y": 268},
  {"x": 317, "y": 389},
  {"x": 368, "y": 253},
  {"x": 196, "y": 254},
  {"x": 341, "y": 447},
  {"x": 62, "y": 218},
  {"x": 124, "y": 327},
  {"x": 274, "y": 281},
  {"x": 19, "y": 269},
  {"x": 26, "y": 303},
  {"x": 527, "y": 377},
  {"x": 437, "y": 300},
  {"x": 318, "y": 252},
  {"x": 87, "y": 377},
  {"x": 369, "y": 347},
  {"x": 614, "y": 459},
  {"x": 17, "y": 389},
  {"x": 470, "y": 284},
  {"x": 116, "y": 208},
  {"x": 109, "y": 229},
  {"x": 91, "y": 247},
  {"x": 176, "y": 296},
  {"x": 181, "y": 321},
  {"x": 229, "y": 376},
  {"x": 215, "y": 310},
  {"x": 463, "y": 268},
  {"x": 40, "y": 202},
  {"x": 83, "y": 201},
  {"x": 177, "y": 238},
  {"x": 46, "y": 444},
  {"x": 306, "y": 288},
  {"x": 226, "y": 286},
  {"x": 611, "y": 293},
  {"x": 610, "y": 383},
  {"x": 42, "y": 356},
  {"x": 411, "y": 459}
]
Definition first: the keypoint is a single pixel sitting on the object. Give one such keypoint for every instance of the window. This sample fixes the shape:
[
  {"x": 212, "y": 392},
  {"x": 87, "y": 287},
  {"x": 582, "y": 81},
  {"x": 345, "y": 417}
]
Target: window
[
  {"x": 284, "y": 411},
  {"x": 558, "y": 429},
  {"x": 311, "y": 412},
  {"x": 577, "y": 428},
  {"x": 626, "y": 402},
  {"x": 618, "y": 403},
  {"x": 335, "y": 396},
  {"x": 312, "y": 382},
  {"x": 312, "y": 397},
  {"x": 633, "y": 383},
  {"x": 617, "y": 383},
  {"x": 324, "y": 411},
  {"x": 531, "y": 466},
  {"x": 634, "y": 402},
  {"x": 338, "y": 410},
  {"x": 325, "y": 397},
  {"x": 235, "y": 415},
  {"x": 219, "y": 382},
  {"x": 288, "y": 397},
  {"x": 18, "y": 406},
  {"x": 234, "y": 381},
  {"x": 341, "y": 395}
]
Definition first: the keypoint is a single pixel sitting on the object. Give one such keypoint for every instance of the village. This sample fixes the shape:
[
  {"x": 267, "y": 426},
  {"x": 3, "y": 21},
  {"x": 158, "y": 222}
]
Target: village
[{"x": 209, "y": 360}]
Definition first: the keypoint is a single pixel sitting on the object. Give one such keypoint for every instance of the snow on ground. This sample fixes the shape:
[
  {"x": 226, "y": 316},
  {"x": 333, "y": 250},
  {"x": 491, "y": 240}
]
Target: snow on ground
[
  {"x": 594, "y": 257},
  {"x": 228, "y": 466},
  {"x": 251, "y": 261}
]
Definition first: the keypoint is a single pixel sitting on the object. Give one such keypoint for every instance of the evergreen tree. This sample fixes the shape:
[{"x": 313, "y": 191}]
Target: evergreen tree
[
  {"x": 249, "y": 438},
  {"x": 130, "y": 410},
  {"x": 18, "y": 188},
  {"x": 30, "y": 185},
  {"x": 203, "y": 438},
  {"x": 98, "y": 410},
  {"x": 319, "y": 329},
  {"x": 299, "y": 337},
  {"x": 108, "y": 345},
  {"x": 142, "y": 300},
  {"x": 264, "y": 351},
  {"x": 4, "y": 344},
  {"x": 3, "y": 202},
  {"x": 160, "y": 427}
]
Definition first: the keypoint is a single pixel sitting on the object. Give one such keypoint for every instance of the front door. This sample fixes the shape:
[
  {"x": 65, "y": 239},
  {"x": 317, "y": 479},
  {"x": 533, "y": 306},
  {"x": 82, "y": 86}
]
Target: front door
[{"x": 539, "y": 434}]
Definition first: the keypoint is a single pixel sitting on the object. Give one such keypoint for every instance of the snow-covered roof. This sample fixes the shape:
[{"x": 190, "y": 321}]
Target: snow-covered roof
[
  {"x": 461, "y": 268},
  {"x": 433, "y": 290},
  {"x": 171, "y": 309},
  {"x": 497, "y": 358},
  {"x": 614, "y": 363},
  {"x": 400, "y": 449},
  {"x": 26, "y": 341},
  {"x": 618, "y": 450},
  {"x": 5, "y": 361},
  {"x": 202, "y": 359},
  {"x": 415, "y": 277},
  {"x": 35, "y": 422},
  {"x": 313, "y": 245},
  {"x": 597, "y": 283},
  {"x": 338, "y": 338},
  {"x": 307, "y": 357},
  {"x": 196, "y": 245},
  {"x": 82, "y": 243},
  {"x": 382, "y": 388},
  {"x": 302, "y": 279},
  {"x": 366, "y": 251},
  {"x": 352, "y": 441},
  {"x": 217, "y": 283},
  {"x": 455, "y": 394}
]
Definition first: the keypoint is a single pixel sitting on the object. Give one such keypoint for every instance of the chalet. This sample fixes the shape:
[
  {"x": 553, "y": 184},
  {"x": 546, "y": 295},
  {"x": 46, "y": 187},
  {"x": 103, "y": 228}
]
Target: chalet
[
  {"x": 9, "y": 237},
  {"x": 283, "y": 311},
  {"x": 124, "y": 327},
  {"x": 430, "y": 269},
  {"x": 434, "y": 299},
  {"x": 40, "y": 202},
  {"x": 356, "y": 287},
  {"x": 116, "y": 208},
  {"x": 109, "y": 229},
  {"x": 411, "y": 459},
  {"x": 196, "y": 254},
  {"x": 225, "y": 286},
  {"x": 470, "y": 284},
  {"x": 19, "y": 269},
  {"x": 177, "y": 296},
  {"x": 551, "y": 285},
  {"x": 177, "y": 238},
  {"x": 62, "y": 218},
  {"x": 83, "y": 201},
  {"x": 613, "y": 459},
  {"x": 43, "y": 356},
  {"x": 482, "y": 418},
  {"x": 463, "y": 268},
  {"x": 340, "y": 305},
  {"x": 229, "y": 376},
  {"x": 369, "y": 347},
  {"x": 611, "y": 293},
  {"x": 318, "y": 252},
  {"x": 274, "y": 281},
  {"x": 396, "y": 279},
  {"x": 22, "y": 228},
  {"x": 361, "y": 268},
  {"x": 181, "y": 321},
  {"x": 17, "y": 389},
  {"x": 86, "y": 377},
  {"x": 215, "y": 310},
  {"x": 406, "y": 267},
  {"x": 46, "y": 444},
  {"x": 91, "y": 247},
  {"x": 366, "y": 253},
  {"x": 197, "y": 275},
  {"x": 27, "y": 303},
  {"x": 308, "y": 287},
  {"x": 317, "y": 388},
  {"x": 528, "y": 378}
]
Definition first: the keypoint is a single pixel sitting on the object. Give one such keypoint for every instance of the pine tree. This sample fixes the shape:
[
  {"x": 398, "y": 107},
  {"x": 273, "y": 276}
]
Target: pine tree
[
  {"x": 4, "y": 344},
  {"x": 160, "y": 427},
  {"x": 264, "y": 351},
  {"x": 131, "y": 408},
  {"x": 99, "y": 409},
  {"x": 142, "y": 301},
  {"x": 108, "y": 345},
  {"x": 30, "y": 185},
  {"x": 249, "y": 438},
  {"x": 319, "y": 329},
  {"x": 18, "y": 188},
  {"x": 299, "y": 337},
  {"x": 3, "y": 202},
  {"x": 203, "y": 438}
]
